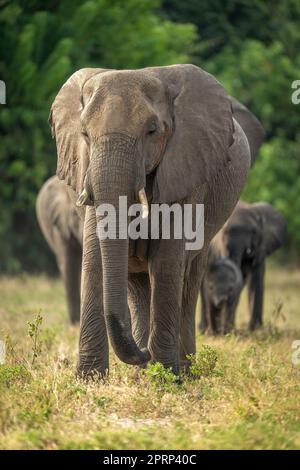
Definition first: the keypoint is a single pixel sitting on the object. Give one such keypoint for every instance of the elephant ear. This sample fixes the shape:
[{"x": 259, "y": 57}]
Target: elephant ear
[
  {"x": 251, "y": 126},
  {"x": 202, "y": 132},
  {"x": 274, "y": 227},
  {"x": 64, "y": 119}
]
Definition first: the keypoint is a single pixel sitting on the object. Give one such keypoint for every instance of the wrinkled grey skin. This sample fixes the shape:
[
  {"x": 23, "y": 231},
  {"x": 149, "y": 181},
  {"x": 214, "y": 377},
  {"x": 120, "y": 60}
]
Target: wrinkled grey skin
[
  {"x": 170, "y": 130},
  {"x": 220, "y": 292},
  {"x": 62, "y": 229},
  {"x": 253, "y": 232}
]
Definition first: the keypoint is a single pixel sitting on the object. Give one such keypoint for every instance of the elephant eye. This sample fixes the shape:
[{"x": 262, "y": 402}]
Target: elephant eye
[
  {"x": 152, "y": 128},
  {"x": 85, "y": 136}
]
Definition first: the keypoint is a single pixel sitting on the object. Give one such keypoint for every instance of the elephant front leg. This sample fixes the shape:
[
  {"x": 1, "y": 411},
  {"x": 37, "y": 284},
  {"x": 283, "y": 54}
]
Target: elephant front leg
[
  {"x": 93, "y": 342},
  {"x": 190, "y": 295},
  {"x": 256, "y": 296},
  {"x": 229, "y": 323},
  {"x": 166, "y": 278}
]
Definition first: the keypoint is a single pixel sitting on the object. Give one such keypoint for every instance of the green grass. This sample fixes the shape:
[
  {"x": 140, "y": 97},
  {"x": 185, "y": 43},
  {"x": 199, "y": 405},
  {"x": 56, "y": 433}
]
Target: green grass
[{"x": 243, "y": 392}]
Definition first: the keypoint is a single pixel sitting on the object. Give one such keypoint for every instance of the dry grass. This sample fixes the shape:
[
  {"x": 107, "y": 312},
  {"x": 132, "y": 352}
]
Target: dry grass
[{"x": 246, "y": 396}]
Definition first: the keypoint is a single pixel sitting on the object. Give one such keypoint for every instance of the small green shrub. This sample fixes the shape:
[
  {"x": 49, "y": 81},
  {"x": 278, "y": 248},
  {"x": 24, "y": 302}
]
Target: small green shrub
[
  {"x": 203, "y": 364},
  {"x": 101, "y": 401},
  {"x": 34, "y": 330},
  {"x": 11, "y": 374},
  {"x": 48, "y": 337},
  {"x": 161, "y": 376}
]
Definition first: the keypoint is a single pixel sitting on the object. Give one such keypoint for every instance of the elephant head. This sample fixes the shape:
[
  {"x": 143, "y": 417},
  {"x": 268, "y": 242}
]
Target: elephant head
[
  {"x": 253, "y": 232},
  {"x": 113, "y": 129},
  {"x": 223, "y": 283}
]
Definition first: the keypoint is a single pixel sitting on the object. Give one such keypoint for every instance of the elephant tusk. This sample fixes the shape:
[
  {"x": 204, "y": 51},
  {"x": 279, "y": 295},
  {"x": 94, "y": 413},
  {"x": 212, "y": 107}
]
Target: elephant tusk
[
  {"x": 144, "y": 203},
  {"x": 84, "y": 196}
]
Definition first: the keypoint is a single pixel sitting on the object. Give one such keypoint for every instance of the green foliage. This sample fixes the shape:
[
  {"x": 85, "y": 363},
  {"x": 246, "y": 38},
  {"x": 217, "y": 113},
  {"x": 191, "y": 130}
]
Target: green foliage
[
  {"x": 42, "y": 43},
  {"x": 161, "y": 377},
  {"x": 252, "y": 52},
  {"x": 11, "y": 374},
  {"x": 275, "y": 178},
  {"x": 34, "y": 331},
  {"x": 262, "y": 79},
  {"x": 253, "y": 404},
  {"x": 252, "y": 48},
  {"x": 203, "y": 364}
]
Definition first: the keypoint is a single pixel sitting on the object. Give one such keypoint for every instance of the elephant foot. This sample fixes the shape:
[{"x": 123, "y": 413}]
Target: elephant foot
[
  {"x": 212, "y": 332},
  {"x": 175, "y": 368},
  {"x": 91, "y": 371},
  {"x": 142, "y": 366},
  {"x": 255, "y": 326},
  {"x": 229, "y": 331},
  {"x": 184, "y": 366},
  {"x": 202, "y": 329}
]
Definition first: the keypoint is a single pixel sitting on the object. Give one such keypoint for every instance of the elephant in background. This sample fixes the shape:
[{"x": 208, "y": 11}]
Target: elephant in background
[
  {"x": 220, "y": 290},
  {"x": 62, "y": 229},
  {"x": 154, "y": 135},
  {"x": 252, "y": 233}
]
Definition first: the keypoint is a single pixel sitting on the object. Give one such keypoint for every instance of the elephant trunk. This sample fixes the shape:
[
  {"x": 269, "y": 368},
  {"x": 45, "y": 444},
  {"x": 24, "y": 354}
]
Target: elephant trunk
[
  {"x": 236, "y": 255},
  {"x": 113, "y": 174}
]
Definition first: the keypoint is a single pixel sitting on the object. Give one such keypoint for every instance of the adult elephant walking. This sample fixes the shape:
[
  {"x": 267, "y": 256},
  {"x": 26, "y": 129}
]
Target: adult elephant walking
[
  {"x": 155, "y": 135},
  {"x": 62, "y": 229},
  {"x": 253, "y": 232}
]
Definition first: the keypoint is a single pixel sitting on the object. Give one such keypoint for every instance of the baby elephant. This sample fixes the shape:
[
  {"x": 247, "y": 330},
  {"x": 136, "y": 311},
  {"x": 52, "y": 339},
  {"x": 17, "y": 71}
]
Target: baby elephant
[
  {"x": 62, "y": 228},
  {"x": 220, "y": 292}
]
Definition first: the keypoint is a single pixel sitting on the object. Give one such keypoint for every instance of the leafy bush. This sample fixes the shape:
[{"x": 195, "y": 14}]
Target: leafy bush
[
  {"x": 255, "y": 56},
  {"x": 161, "y": 376},
  {"x": 10, "y": 374},
  {"x": 203, "y": 363},
  {"x": 42, "y": 43}
]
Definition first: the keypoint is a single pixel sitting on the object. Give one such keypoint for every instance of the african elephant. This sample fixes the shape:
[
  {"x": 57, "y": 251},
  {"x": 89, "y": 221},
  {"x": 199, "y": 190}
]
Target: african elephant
[
  {"x": 220, "y": 291},
  {"x": 154, "y": 135},
  {"x": 253, "y": 232},
  {"x": 62, "y": 229}
]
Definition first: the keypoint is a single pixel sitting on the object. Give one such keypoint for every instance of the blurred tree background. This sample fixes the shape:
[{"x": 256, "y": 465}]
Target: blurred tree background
[
  {"x": 251, "y": 47},
  {"x": 253, "y": 50},
  {"x": 42, "y": 43}
]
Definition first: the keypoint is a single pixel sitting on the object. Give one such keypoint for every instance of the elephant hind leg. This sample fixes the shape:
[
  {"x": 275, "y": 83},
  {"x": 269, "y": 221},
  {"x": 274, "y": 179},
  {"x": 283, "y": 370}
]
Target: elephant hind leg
[
  {"x": 139, "y": 305},
  {"x": 256, "y": 296},
  {"x": 72, "y": 279},
  {"x": 189, "y": 301},
  {"x": 166, "y": 273},
  {"x": 69, "y": 257},
  {"x": 203, "y": 325}
]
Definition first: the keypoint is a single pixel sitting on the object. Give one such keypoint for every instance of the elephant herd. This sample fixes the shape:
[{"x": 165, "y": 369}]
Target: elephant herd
[
  {"x": 236, "y": 257},
  {"x": 158, "y": 135}
]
